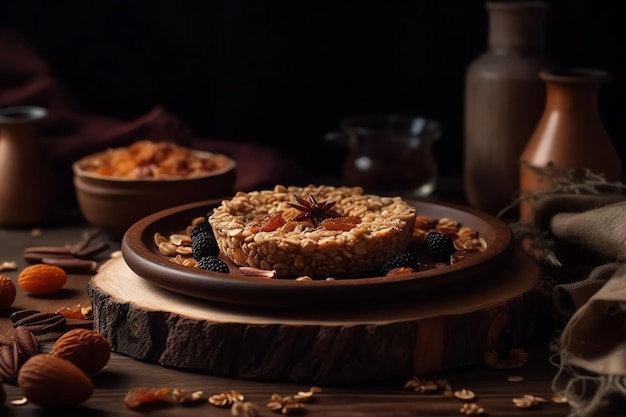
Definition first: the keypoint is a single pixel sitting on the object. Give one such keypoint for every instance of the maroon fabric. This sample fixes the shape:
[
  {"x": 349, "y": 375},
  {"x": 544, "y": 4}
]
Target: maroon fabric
[{"x": 69, "y": 133}]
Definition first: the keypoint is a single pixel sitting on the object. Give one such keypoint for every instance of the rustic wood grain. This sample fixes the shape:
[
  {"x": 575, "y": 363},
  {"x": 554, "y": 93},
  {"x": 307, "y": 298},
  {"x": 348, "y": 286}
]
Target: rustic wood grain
[
  {"x": 384, "y": 399},
  {"x": 388, "y": 399},
  {"x": 154, "y": 325}
]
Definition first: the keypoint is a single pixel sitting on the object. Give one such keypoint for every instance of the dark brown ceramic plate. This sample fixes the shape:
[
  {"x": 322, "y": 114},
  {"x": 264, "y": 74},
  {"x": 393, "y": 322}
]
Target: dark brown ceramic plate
[{"x": 143, "y": 257}]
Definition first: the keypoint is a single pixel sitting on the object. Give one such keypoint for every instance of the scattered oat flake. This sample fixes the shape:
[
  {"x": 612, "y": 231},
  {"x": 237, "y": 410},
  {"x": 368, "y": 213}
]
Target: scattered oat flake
[
  {"x": 558, "y": 398},
  {"x": 140, "y": 395},
  {"x": 187, "y": 398},
  {"x": 471, "y": 409},
  {"x": 528, "y": 401},
  {"x": 244, "y": 409},
  {"x": 464, "y": 394},
  {"x": 87, "y": 312},
  {"x": 515, "y": 378},
  {"x": 226, "y": 399},
  {"x": 36, "y": 232},
  {"x": 20, "y": 401},
  {"x": 8, "y": 266}
]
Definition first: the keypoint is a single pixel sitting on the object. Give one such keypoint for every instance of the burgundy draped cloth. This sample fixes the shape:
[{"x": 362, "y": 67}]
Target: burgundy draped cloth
[{"x": 69, "y": 132}]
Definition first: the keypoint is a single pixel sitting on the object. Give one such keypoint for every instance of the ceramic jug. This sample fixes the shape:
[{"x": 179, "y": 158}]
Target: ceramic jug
[
  {"x": 27, "y": 186},
  {"x": 570, "y": 134},
  {"x": 504, "y": 98}
]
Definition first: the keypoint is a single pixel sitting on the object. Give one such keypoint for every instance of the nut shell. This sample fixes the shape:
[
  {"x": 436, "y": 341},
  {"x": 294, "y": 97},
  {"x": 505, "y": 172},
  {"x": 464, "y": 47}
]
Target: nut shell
[
  {"x": 51, "y": 382},
  {"x": 8, "y": 292},
  {"x": 42, "y": 279},
  {"x": 87, "y": 349}
]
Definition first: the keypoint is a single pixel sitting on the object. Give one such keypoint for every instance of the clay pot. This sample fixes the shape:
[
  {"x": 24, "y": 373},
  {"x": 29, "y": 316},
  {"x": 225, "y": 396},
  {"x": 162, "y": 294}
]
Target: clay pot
[
  {"x": 504, "y": 98},
  {"x": 27, "y": 186},
  {"x": 570, "y": 134}
]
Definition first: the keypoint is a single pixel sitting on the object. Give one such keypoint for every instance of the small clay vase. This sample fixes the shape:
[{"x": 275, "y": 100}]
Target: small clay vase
[
  {"x": 504, "y": 98},
  {"x": 27, "y": 186},
  {"x": 570, "y": 136}
]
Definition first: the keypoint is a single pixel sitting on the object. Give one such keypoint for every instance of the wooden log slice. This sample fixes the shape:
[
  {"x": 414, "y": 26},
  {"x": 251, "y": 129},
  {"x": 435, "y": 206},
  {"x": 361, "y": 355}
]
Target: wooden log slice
[{"x": 152, "y": 324}]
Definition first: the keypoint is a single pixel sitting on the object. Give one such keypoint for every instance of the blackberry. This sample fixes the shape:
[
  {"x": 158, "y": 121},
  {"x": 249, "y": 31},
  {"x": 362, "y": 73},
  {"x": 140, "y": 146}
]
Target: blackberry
[
  {"x": 439, "y": 246},
  {"x": 213, "y": 263},
  {"x": 399, "y": 260},
  {"x": 203, "y": 243},
  {"x": 202, "y": 227}
]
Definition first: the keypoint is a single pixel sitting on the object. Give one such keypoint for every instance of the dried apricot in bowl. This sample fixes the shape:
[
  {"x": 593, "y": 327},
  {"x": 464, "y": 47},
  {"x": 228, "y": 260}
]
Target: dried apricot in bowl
[
  {"x": 41, "y": 279},
  {"x": 7, "y": 292}
]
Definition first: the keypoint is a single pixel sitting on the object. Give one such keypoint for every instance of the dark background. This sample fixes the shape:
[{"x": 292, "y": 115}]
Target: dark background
[{"x": 283, "y": 72}]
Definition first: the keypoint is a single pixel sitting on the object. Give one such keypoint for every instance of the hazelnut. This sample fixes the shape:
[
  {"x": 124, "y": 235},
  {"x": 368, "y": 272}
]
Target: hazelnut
[
  {"x": 51, "y": 382},
  {"x": 87, "y": 349}
]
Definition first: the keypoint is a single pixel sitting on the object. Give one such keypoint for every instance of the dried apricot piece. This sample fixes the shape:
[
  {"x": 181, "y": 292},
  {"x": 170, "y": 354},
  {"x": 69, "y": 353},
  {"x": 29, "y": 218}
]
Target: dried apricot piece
[
  {"x": 340, "y": 223},
  {"x": 73, "y": 312},
  {"x": 141, "y": 395},
  {"x": 273, "y": 222},
  {"x": 403, "y": 270},
  {"x": 267, "y": 222}
]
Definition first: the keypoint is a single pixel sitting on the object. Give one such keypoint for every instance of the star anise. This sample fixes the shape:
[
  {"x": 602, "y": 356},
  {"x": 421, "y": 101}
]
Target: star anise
[{"x": 313, "y": 211}]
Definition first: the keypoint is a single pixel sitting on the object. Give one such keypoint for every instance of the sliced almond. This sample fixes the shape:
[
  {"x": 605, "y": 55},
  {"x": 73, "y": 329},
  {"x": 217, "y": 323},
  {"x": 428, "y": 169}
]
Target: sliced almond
[
  {"x": 159, "y": 238},
  {"x": 167, "y": 248},
  {"x": 184, "y": 250},
  {"x": 180, "y": 239},
  {"x": 256, "y": 272}
]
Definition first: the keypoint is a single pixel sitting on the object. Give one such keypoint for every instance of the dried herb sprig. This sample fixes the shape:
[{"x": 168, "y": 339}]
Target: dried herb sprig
[{"x": 562, "y": 182}]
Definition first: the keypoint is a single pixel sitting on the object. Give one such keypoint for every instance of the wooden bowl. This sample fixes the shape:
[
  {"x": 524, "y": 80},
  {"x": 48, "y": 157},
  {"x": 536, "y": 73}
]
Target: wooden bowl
[{"x": 113, "y": 204}]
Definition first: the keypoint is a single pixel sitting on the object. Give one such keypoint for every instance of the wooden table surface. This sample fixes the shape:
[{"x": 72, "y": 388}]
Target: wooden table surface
[{"x": 390, "y": 398}]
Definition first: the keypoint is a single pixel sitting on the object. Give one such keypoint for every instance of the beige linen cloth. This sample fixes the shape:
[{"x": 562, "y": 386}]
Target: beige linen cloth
[{"x": 592, "y": 346}]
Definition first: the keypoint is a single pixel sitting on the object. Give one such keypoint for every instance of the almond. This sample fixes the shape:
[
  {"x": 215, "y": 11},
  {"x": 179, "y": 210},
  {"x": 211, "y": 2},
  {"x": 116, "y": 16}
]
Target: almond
[
  {"x": 51, "y": 382},
  {"x": 87, "y": 349},
  {"x": 7, "y": 292},
  {"x": 42, "y": 279}
]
